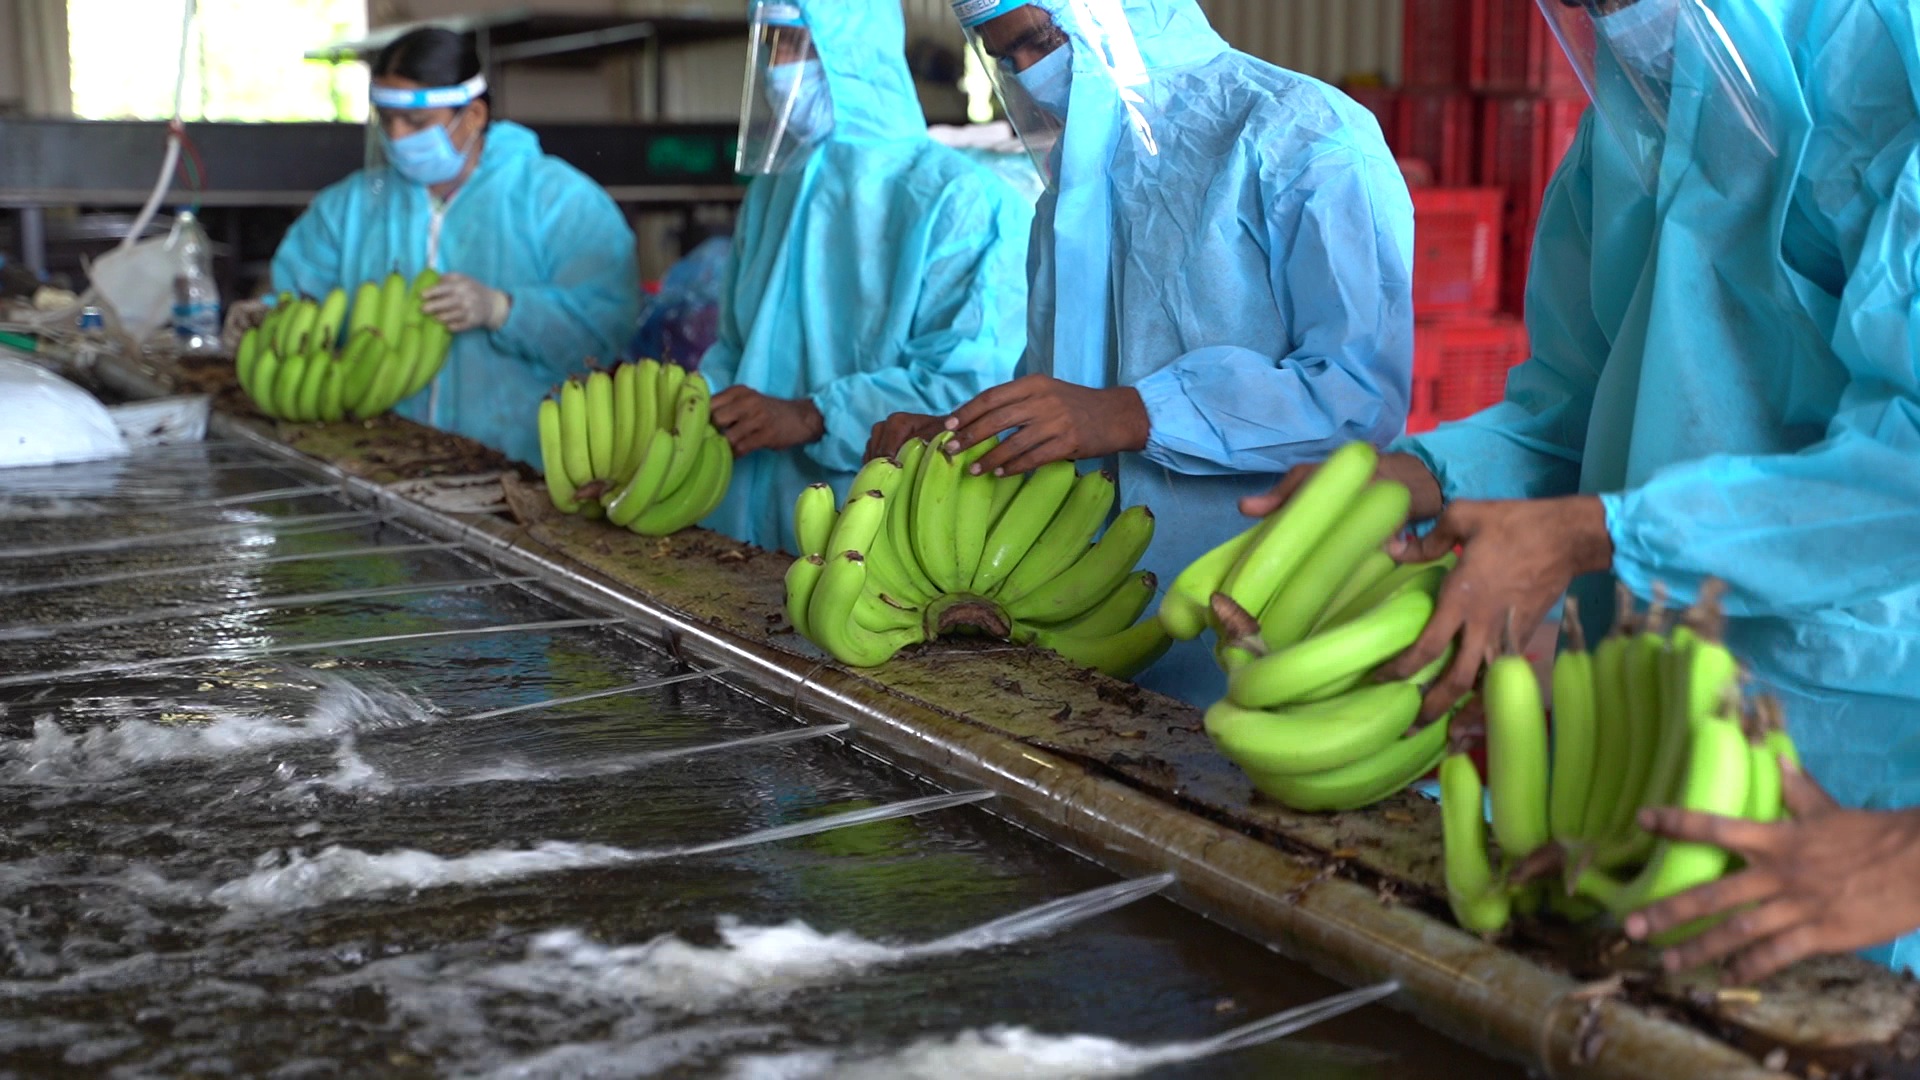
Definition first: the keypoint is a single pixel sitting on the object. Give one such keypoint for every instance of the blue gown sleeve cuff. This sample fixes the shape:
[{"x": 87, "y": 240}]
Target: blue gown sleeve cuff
[{"x": 1171, "y": 415}]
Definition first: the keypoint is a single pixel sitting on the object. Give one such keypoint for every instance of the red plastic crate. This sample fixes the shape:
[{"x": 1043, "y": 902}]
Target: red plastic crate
[
  {"x": 1439, "y": 128},
  {"x": 1521, "y": 222},
  {"x": 1514, "y": 52},
  {"x": 1522, "y": 140},
  {"x": 1457, "y": 251},
  {"x": 1463, "y": 366},
  {"x": 1437, "y": 44}
]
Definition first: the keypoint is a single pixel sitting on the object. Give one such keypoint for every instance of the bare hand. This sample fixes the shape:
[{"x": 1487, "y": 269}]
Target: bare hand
[
  {"x": 1828, "y": 880},
  {"x": 1051, "y": 420},
  {"x": 896, "y": 431},
  {"x": 1410, "y": 471},
  {"x": 753, "y": 421},
  {"x": 1516, "y": 560}
]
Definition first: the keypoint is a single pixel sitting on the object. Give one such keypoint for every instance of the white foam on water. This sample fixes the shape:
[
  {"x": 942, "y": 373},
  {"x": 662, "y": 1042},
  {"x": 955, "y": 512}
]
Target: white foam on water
[
  {"x": 1005, "y": 1052},
  {"x": 343, "y": 873},
  {"x": 761, "y": 963},
  {"x": 619, "y": 1059},
  {"x": 56, "y": 757}
]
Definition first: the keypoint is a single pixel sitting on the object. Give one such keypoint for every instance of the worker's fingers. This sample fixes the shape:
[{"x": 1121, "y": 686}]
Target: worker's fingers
[
  {"x": 1458, "y": 679},
  {"x": 1017, "y": 414},
  {"x": 966, "y": 418},
  {"x": 1727, "y": 895},
  {"x": 1045, "y": 451},
  {"x": 1748, "y": 839},
  {"x": 1449, "y": 530},
  {"x": 1778, "y": 953},
  {"x": 1805, "y": 797},
  {"x": 1276, "y": 497}
]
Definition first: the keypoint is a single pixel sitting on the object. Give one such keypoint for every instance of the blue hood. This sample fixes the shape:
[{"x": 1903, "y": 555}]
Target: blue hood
[{"x": 862, "y": 46}]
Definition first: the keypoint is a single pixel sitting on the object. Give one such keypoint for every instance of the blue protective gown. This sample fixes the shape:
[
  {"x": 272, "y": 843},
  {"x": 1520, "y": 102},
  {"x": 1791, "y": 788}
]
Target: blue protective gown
[
  {"x": 1731, "y": 364},
  {"x": 529, "y": 225},
  {"x": 1260, "y": 293},
  {"x": 885, "y": 274}
]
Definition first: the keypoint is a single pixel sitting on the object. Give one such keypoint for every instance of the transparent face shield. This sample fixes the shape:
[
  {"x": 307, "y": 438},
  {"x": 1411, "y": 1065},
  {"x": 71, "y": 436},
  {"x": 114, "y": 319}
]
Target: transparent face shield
[
  {"x": 1637, "y": 57},
  {"x": 1034, "y": 63},
  {"x": 786, "y": 107},
  {"x": 423, "y": 136}
]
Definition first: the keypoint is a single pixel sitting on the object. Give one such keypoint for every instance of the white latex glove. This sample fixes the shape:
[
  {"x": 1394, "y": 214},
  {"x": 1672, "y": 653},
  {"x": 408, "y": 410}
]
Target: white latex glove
[
  {"x": 243, "y": 316},
  {"x": 463, "y": 303}
]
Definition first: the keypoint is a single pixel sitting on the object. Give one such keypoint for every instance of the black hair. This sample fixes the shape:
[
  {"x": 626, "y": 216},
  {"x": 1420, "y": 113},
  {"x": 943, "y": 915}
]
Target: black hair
[{"x": 432, "y": 56}]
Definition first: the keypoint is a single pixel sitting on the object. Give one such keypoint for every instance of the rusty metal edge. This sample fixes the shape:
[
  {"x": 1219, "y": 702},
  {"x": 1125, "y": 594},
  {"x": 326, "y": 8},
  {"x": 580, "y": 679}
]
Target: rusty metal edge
[{"x": 1465, "y": 988}]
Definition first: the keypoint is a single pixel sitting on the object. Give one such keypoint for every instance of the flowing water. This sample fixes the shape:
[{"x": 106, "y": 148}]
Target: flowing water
[{"x": 288, "y": 791}]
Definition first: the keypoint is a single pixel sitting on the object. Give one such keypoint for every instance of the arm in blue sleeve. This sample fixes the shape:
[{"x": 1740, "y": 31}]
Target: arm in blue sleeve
[
  {"x": 720, "y": 365},
  {"x": 1833, "y": 525},
  {"x": 309, "y": 260},
  {"x": 967, "y": 331},
  {"x": 1340, "y": 271},
  {"x": 1530, "y": 445},
  {"x": 589, "y": 301}
]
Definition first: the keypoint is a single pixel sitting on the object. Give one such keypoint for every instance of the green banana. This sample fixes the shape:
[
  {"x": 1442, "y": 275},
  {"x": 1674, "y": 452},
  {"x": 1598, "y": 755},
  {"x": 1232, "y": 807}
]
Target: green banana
[
  {"x": 426, "y": 364},
  {"x": 1289, "y": 535},
  {"x": 1642, "y": 669},
  {"x": 1316, "y": 737},
  {"x": 1364, "y": 782},
  {"x": 1573, "y": 733},
  {"x": 1766, "y": 799},
  {"x": 690, "y": 427},
  {"x": 1121, "y": 608},
  {"x": 813, "y": 518},
  {"x": 628, "y": 440},
  {"x": 317, "y": 364},
  {"x": 973, "y": 512},
  {"x": 327, "y": 323},
  {"x": 1064, "y": 541},
  {"x": 573, "y": 433},
  {"x": 643, "y": 487},
  {"x": 388, "y": 380},
  {"x": 935, "y": 503},
  {"x": 1094, "y": 576},
  {"x": 1719, "y": 770},
  {"x": 1426, "y": 577},
  {"x": 1005, "y": 490},
  {"x": 1328, "y": 663},
  {"x": 859, "y": 522},
  {"x": 648, "y": 415},
  {"x": 333, "y": 406},
  {"x": 1611, "y": 732},
  {"x": 1122, "y": 654},
  {"x": 1029, "y": 513},
  {"x": 244, "y": 359},
  {"x": 878, "y": 613},
  {"x": 560, "y": 487},
  {"x": 1516, "y": 755},
  {"x": 266, "y": 374},
  {"x": 363, "y": 365},
  {"x": 697, "y": 495},
  {"x": 672, "y": 379},
  {"x": 881, "y": 474},
  {"x": 1372, "y": 571},
  {"x": 803, "y": 577},
  {"x": 717, "y": 474},
  {"x": 830, "y": 617},
  {"x": 293, "y": 333},
  {"x": 1187, "y": 608},
  {"x": 900, "y": 523},
  {"x": 1379, "y": 511},
  {"x": 600, "y": 425},
  {"x": 393, "y": 306},
  {"x": 1480, "y": 903},
  {"x": 366, "y": 308}
]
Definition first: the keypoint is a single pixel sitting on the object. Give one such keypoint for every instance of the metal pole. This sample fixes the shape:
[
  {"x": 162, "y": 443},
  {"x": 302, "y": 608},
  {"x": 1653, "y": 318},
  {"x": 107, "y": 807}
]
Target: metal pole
[{"x": 551, "y": 703}]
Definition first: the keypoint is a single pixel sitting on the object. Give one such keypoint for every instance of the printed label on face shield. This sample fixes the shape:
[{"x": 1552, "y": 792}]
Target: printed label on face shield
[{"x": 967, "y": 9}]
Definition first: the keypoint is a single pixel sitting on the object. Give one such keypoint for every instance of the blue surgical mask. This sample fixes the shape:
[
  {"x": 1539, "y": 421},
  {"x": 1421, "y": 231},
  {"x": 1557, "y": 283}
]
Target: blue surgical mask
[
  {"x": 805, "y": 82},
  {"x": 426, "y": 157},
  {"x": 1642, "y": 36},
  {"x": 1050, "y": 82}
]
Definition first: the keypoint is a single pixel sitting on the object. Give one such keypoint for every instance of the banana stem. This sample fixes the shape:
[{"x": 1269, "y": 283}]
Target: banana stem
[
  {"x": 1576, "y": 635},
  {"x": 956, "y": 611}
]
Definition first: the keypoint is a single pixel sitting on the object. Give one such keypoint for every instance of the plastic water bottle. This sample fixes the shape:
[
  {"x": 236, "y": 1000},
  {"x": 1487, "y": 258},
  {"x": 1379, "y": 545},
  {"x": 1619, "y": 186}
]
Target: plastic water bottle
[{"x": 196, "y": 300}]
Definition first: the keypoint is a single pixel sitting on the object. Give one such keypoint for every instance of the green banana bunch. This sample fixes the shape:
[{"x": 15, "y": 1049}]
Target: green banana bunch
[
  {"x": 1650, "y": 717},
  {"x": 635, "y": 445},
  {"x": 326, "y": 360},
  {"x": 943, "y": 551}
]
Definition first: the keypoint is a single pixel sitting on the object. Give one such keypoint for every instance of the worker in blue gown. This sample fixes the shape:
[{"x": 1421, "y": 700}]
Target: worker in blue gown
[
  {"x": 873, "y": 270},
  {"x": 1221, "y": 283},
  {"x": 538, "y": 266},
  {"x": 1725, "y": 384}
]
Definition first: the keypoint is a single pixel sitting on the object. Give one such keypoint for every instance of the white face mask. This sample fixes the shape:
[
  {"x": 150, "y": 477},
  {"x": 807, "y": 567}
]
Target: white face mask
[{"x": 1642, "y": 36}]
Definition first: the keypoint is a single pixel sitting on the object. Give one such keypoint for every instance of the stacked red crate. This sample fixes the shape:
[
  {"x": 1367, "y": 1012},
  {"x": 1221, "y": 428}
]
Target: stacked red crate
[
  {"x": 1514, "y": 52},
  {"x": 1457, "y": 254},
  {"x": 1439, "y": 128},
  {"x": 1460, "y": 367},
  {"x": 1523, "y": 140}
]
